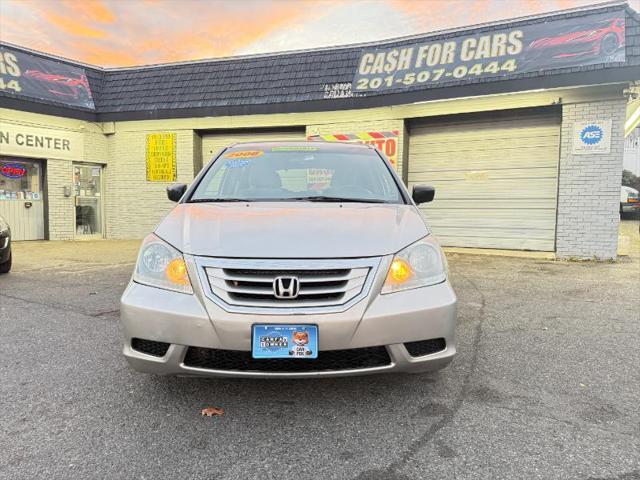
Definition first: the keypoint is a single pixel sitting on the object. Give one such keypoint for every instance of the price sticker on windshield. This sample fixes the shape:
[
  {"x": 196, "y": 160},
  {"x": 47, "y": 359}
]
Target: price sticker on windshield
[{"x": 245, "y": 154}]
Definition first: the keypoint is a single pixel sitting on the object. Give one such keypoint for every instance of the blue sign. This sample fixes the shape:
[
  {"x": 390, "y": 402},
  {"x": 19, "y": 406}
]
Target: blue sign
[{"x": 591, "y": 135}]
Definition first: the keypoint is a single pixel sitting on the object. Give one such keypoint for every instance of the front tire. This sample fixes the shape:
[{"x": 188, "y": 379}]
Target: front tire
[{"x": 6, "y": 266}]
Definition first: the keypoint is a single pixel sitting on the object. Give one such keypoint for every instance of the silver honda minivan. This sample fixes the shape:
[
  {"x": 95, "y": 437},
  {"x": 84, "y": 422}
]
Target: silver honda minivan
[{"x": 291, "y": 259}]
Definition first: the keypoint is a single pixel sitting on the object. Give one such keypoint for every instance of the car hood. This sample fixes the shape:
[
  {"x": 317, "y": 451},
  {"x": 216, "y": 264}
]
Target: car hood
[{"x": 291, "y": 230}]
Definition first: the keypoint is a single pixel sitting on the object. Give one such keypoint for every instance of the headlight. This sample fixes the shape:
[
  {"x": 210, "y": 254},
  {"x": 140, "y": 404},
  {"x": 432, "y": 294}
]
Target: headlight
[
  {"x": 419, "y": 265},
  {"x": 160, "y": 265},
  {"x": 4, "y": 226}
]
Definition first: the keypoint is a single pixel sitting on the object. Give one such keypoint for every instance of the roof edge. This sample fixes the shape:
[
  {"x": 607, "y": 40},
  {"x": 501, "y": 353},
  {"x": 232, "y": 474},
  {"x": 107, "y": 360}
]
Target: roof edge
[{"x": 51, "y": 56}]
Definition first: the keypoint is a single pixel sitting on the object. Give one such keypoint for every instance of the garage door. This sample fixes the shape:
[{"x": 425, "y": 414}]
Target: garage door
[
  {"x": 495, "y": 176},
  {"x": 213, "y": 143}
]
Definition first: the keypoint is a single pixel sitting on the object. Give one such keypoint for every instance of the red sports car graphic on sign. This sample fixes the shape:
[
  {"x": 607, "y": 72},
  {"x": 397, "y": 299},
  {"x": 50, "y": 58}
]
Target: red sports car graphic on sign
[
  {"x": 602, "y": 38},
  {"x": 63, "y": 86}
]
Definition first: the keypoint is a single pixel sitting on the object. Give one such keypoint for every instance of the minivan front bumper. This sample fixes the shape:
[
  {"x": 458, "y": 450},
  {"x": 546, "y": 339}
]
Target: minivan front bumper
[{"x": 171, "y": 333}]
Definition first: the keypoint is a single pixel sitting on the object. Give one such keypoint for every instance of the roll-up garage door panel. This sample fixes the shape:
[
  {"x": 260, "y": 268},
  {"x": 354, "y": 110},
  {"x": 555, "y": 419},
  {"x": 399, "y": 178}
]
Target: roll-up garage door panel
[
  {"x": 497, "y": 205},
  {"x": 542, "y": 190},
  {"x": 501, "y": 239},
  {"x": 466, "y": 145},
  {"x": 489, "y": 158},
  {"x": 496, "y": 180},
  {"x": 213, "y": 143},
  {"x": 495, "y": 218},
  {"x": 482, "y": 174}
]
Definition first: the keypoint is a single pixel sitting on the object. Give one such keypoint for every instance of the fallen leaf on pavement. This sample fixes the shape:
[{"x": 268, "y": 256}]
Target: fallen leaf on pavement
[{"x": 212, "y": 411}]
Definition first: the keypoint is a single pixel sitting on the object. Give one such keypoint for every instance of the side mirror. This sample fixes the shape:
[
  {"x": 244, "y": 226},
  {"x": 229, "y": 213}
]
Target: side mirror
[
  {"x": 423, "y": 194},
  {"x": 175, "y": 192}
]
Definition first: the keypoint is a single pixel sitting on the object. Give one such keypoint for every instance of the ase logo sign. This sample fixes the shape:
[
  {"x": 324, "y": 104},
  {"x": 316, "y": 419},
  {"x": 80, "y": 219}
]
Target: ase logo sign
[{"x": 592, "y": 137}]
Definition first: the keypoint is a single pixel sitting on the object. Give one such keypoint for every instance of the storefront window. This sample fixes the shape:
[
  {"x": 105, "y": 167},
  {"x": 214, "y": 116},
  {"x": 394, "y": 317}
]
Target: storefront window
[{"x": 20, "y": 179}]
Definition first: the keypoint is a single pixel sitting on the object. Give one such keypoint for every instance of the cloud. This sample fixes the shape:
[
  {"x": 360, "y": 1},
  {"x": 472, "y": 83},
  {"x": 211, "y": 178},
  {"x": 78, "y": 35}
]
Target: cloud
[
  {"x": 96, "y": 54},
  {"x": 337, "y": 24},
  {"x": 91, "y": 10},
  {"x": 434, "y": 15},
  {"x": 133, "y": 32},
  {"x": 69, "y": 25}
]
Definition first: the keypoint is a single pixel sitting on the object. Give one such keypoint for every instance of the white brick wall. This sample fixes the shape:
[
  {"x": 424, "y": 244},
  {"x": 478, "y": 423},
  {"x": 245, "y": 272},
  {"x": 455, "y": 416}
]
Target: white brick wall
[
  {"x": 135, "y": 206},
  {"x": 61, "y": 208},
  {"x": 589, "y": 186}
]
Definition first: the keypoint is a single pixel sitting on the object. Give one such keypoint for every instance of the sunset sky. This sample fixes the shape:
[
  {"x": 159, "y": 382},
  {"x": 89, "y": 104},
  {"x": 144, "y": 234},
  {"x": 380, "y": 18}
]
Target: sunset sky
[{"x": 135, "y": 32}]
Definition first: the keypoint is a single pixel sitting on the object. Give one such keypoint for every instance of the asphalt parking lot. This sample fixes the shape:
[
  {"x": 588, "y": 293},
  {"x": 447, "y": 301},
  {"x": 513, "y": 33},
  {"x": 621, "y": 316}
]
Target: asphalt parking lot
[{"x": 546, "y": 385}]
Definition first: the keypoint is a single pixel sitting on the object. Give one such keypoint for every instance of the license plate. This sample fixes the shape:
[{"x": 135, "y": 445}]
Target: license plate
[{"x": 285, "y": 341}]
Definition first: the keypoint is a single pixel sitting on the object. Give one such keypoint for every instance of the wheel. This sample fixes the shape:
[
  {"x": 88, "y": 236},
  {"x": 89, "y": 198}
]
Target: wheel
[
  {"x": 6, "y": 266},
  {"x": 609, "y": 44}
]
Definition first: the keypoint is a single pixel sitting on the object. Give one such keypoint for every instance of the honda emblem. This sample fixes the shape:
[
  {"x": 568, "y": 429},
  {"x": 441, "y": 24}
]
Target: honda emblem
[{"x": 286, "y": 287}]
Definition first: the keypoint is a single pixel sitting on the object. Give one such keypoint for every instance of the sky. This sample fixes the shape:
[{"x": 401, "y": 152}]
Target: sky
[{"x": 113, "y": 33}]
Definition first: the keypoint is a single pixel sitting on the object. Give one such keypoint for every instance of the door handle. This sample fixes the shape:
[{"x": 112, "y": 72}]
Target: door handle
[{"x": 28, "y": 204}]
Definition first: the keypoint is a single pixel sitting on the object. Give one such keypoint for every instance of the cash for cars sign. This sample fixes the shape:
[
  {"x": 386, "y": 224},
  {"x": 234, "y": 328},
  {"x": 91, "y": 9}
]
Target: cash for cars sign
[
  {"x": 161, "y": 157},
  {"x": 586, "y": 40}
]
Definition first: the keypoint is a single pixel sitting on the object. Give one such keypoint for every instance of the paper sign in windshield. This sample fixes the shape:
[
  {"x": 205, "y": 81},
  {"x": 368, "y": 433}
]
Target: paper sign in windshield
[
  {"x": 287, "y": 148},
  {"x": 245, "y": 154}
]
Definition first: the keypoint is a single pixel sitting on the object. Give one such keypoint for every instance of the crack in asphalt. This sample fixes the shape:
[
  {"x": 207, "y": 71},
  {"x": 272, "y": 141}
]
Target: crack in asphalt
[
  {"x": 82, "y": 268},
  {"x": 391, "y": 472},
  {"x": 106, "y": 313},
  {"x": 632, "y": 475},
  {"x": 62, "y": 308},
  {"x": 575, "y": 425}
]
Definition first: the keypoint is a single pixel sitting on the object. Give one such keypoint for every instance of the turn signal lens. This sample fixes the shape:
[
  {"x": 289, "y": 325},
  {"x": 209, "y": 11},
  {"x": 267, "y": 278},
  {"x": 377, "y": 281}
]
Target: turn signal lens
[
  {"x": 399, "y": 271},
  {"x": 176, "y": 272}
]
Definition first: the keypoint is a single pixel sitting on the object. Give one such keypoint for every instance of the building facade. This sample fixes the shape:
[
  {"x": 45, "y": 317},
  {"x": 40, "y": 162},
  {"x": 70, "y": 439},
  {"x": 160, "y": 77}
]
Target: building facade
[{"x": 519, "y": 125}]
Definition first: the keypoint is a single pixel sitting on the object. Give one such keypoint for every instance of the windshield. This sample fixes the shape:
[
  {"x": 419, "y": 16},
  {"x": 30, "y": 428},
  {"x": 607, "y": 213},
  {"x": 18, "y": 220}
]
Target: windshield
[{"x": 298, "y": 173}]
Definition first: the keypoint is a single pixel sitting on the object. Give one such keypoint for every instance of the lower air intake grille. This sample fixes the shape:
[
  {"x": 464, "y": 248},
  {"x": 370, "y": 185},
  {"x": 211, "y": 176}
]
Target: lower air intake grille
[
  {"x": 150, "y": 347},
  {"x": 425, "y": 347},
  {"x": 234, "y": 360}
]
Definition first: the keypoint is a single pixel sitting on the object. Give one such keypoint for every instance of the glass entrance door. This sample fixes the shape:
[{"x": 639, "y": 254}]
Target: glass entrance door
[
  {"x": 21, "y": 197},
  {"x": 87, "y": 181}
]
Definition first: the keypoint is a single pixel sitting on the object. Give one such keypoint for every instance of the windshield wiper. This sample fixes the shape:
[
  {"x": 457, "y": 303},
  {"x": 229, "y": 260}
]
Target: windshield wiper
[
  {"x": 212, "y": 200},
  {"x": 322, "y": 198},
  {"x": 316, "y": 198}
]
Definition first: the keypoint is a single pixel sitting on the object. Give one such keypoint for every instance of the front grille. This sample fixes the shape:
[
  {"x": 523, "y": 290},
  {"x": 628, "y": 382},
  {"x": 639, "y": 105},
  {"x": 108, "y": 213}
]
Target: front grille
[
  {"x": 150, "y": 347},
  {"x": 425, "y": 347},
  {"x": 234, "y": 360},
  {"x": 318, "y": 287}
]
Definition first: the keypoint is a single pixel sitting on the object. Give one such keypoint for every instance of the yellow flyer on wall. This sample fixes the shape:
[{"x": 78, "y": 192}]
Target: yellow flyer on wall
[{"x": 161, "y": 157}]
